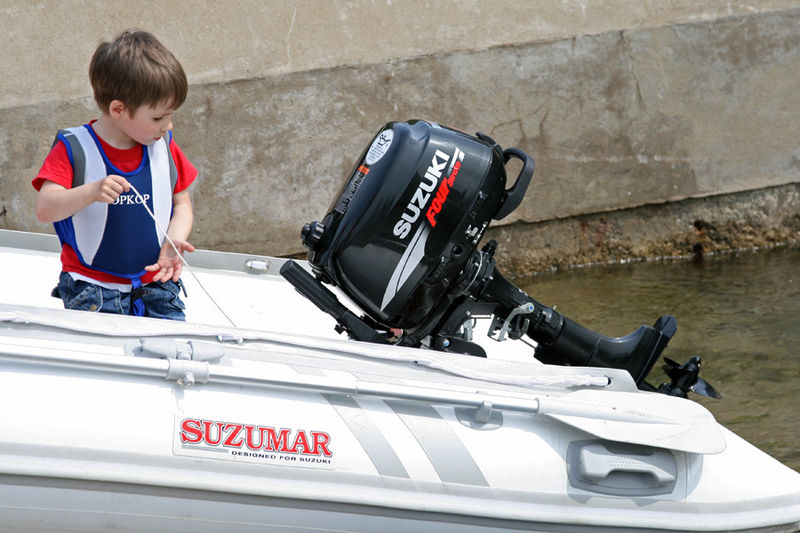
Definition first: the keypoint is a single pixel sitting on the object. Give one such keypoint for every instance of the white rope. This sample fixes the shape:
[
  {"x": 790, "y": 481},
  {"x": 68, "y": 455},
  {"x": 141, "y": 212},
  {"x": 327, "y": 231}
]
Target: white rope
[{"x": 140, "y": 198}]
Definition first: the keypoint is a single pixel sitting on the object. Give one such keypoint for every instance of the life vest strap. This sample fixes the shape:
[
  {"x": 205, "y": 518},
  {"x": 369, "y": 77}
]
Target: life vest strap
[{"x": 137, "y": 304}]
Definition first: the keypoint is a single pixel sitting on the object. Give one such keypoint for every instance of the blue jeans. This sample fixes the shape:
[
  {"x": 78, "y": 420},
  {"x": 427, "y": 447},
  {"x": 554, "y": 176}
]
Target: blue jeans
[{"x": 161, "y": 299}]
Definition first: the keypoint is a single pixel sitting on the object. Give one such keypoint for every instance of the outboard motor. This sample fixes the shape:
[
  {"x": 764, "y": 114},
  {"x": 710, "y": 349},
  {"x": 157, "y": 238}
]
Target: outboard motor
[{"x": 400, "y": 239}]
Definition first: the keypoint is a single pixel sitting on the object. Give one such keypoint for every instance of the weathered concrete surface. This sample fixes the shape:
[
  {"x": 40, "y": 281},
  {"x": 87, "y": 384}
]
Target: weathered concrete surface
[
  {"x": 626, "y": 126},
  {"x": 45, "y": 58},
  {"x": 686, "y": 229}
]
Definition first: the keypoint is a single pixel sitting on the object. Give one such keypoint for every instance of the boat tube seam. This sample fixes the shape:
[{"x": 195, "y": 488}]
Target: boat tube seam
[{"x": 349, "y": 348}]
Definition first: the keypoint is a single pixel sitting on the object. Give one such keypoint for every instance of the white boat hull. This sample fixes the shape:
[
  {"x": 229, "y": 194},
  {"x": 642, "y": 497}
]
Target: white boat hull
[{"x": 272, "y": 429}]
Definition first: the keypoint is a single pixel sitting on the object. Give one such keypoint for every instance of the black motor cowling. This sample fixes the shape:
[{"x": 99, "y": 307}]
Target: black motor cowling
[
  {"x": 410, "y": 216},
  {"x": 400, "y": 239}
]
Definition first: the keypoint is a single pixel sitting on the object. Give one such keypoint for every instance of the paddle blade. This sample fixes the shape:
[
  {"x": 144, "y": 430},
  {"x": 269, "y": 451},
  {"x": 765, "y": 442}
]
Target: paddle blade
[{"x": 645, "y": 418}]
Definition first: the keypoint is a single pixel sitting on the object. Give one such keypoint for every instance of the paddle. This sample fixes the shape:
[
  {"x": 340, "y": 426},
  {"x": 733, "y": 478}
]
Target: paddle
[
  {"x": 649, "y": 419},
  {"x": 644, "y": 418}
]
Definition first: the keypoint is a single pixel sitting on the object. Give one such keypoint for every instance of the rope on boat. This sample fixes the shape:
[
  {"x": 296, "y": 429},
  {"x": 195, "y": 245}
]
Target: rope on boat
[{"x": 179, "y": 254}]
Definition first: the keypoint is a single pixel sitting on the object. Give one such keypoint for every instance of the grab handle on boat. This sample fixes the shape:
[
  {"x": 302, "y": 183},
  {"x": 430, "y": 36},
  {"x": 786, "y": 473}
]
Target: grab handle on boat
[
  {"x": 618, "y": 469},
  {"x": 598, "y": 463}
]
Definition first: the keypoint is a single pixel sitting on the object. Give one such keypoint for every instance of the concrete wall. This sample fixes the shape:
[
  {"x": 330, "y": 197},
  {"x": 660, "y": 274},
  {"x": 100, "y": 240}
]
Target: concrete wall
[{"x": 631, "y": 108}]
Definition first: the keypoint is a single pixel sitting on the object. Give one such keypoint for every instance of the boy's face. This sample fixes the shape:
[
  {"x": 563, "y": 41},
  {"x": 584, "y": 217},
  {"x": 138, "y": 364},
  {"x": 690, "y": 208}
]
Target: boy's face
[{"x": 147, "y": 124}]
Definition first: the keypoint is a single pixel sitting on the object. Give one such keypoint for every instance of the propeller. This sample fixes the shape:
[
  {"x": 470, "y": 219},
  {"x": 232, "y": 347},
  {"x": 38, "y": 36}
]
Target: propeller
[{"x": 685, "y": 378}]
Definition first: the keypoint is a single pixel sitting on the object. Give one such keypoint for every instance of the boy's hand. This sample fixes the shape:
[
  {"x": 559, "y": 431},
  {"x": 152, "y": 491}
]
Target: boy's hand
[
  {"x": 169, "y": 265},
  {"x": 55, "y": 202},
  {"x": 108, "y": 189}
]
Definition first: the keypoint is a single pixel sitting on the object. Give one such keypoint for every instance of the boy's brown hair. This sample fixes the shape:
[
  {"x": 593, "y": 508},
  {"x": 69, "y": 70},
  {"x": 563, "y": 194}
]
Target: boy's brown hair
[{"x": 136, "y": 69}]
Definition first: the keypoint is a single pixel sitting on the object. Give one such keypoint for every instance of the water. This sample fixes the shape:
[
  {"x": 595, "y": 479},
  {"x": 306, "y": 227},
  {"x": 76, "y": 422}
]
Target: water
[{"x": 739, "y": 312}]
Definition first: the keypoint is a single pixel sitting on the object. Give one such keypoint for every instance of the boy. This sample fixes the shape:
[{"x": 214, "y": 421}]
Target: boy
[{"x": 96, "y": 178}]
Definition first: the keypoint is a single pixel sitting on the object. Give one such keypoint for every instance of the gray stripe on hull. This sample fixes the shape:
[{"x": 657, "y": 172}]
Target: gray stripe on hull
[
  {"x": 378, "y": 449},
  {"x": 448, "y": 455}
]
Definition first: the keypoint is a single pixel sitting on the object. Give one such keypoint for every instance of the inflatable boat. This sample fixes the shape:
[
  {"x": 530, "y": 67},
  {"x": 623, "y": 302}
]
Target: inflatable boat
[{"x": 394, "y": 381}]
